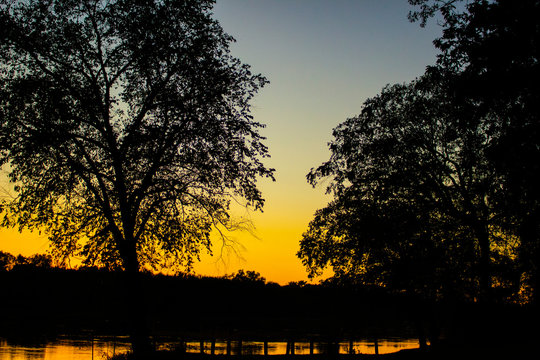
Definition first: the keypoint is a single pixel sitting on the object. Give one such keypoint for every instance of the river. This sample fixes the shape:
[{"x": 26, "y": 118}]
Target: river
[{"x": 101, "y": 348}]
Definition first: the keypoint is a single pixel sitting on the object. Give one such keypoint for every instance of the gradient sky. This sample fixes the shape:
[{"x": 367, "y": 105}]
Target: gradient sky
[{"x": 323, "y": 58}]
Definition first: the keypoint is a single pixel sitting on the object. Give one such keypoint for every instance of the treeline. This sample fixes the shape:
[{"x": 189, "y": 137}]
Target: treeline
[
  {"x": 11, "y": 262},
  {"x": 48, "y": 301},
  {"x": 41, "y": 299}
]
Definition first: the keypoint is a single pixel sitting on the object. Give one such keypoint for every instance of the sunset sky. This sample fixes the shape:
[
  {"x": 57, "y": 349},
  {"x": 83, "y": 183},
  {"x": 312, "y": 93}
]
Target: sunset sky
[{"x": 323, "y": 60}]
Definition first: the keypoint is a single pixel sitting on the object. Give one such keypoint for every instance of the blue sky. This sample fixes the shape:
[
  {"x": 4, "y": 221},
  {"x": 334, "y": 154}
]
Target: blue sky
[{"x": 323, "y": 60}]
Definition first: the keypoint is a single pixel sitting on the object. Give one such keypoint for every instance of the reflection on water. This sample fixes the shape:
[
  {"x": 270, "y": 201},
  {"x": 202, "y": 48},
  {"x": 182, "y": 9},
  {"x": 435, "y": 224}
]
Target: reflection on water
[
  {"x": 101, "y": 348},
  {"x": 385, "y": 346},
  {"x": 64, "y": 349}
]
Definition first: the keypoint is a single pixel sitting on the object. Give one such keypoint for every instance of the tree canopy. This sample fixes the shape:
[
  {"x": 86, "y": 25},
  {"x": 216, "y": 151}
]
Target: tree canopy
[
  {"x": 490, "y": 51},
  {"x": 125, "y": 127},
  {"x": 413, "y": 193},
  {"x": 446, "y": 164}
]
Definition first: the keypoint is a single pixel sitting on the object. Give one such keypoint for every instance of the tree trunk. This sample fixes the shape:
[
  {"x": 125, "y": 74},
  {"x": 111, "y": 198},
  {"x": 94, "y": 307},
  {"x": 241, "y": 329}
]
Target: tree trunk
[
  {"x": 419, "y": 321},
  {"x": 422, "y": 339},
  {"x": 136, "y": 303},
  {"x": 484, "y": 263}
]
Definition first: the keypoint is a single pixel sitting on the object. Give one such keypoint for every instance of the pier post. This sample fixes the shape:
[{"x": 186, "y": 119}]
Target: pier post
[
  {"x": 213, "y": 347},
  {"x": 202, "y": 347},
  {"x": 228, "y": 347},
  {"x": 265, "y": 348},
  {"x": 351, "y": 347},
  {"x": 181, "y": 346},
  {"x": 333, "y": 348},
  {"x": 376, "y": 346},
  {"x": 239, "y": 347},
  {"x": 311, "y": 347}
]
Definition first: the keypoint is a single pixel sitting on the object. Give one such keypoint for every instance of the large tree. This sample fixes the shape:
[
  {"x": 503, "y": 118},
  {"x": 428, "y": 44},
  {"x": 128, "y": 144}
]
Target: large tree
[
  {"x": 125, "y": 127},
  {"x": 413, "y": 194},
  {"x": 491, "y": 51}
]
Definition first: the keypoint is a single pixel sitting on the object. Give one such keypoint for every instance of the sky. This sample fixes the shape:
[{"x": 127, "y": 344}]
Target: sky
[{"x": 323, "y": 58}]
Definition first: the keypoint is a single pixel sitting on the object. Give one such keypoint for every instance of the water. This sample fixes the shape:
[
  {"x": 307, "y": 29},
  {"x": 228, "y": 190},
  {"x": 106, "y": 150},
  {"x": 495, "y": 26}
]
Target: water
[
  {"x": 303, "y": 348},
  {"x": 66, "y": 348}
]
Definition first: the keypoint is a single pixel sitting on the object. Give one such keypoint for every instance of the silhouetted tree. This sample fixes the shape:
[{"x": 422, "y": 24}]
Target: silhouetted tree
[
  {"x": 247, "y": 276},
  {"x": 413, "y": 193},
  {"x": 42, "y": 261},
  {"x": 20, "y": 262},
  {"x": 126, "y": 127},
  {"x": 7, "y": 261},
  {"x": 297, "y": 284},
  {"x": 491, "y": 51}
]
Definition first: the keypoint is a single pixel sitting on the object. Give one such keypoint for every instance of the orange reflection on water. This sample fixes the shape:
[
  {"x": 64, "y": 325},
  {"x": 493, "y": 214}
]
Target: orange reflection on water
[
  {"x": 63, "y": 349},
  {"x": 102, "y": 348},
  {"x": 385, "y": 346}
]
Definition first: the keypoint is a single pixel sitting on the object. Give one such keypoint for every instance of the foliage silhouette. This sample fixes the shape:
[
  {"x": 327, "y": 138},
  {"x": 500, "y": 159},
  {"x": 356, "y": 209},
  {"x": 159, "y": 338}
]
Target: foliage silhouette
[
  {"x": 489, "y": 50},
  {"x": 7, "y": 261},
  {"x": 413, "y": 192},
  {"x": 126, "y": 128},
  {"x": 247, "y": 276},
  {"x": 37, "y": 261}
]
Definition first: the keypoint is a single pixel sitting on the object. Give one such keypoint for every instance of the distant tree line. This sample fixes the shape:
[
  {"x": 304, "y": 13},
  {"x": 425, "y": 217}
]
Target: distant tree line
[
  {"x": 435, "y": 183},
  {"x": 237, "y": 306},
  {"x": 10, "y": 262}
]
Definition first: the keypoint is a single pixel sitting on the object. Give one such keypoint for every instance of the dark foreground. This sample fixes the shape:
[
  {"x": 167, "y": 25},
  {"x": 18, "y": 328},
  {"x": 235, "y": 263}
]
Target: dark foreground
[{"x": 93, "y": 302}]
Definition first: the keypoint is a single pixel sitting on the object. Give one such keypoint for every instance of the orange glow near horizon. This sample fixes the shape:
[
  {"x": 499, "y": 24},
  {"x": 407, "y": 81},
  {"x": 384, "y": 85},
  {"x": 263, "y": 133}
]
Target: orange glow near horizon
[
  {"x": 272, "y": 253},
  {"x": 269, "y": 249}
]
